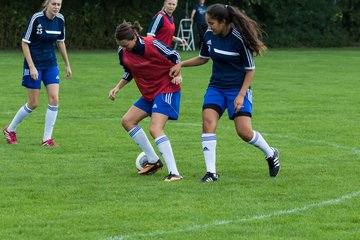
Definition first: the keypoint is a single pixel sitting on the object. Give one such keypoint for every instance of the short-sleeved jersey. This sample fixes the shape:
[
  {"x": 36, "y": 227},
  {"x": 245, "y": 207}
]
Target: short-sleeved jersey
[
  {"x": 41, "y": 34},
  {"x": 162, "y": 27},
  {"x": 199, "y": 16},
  {"x": 231, "y": 59}
]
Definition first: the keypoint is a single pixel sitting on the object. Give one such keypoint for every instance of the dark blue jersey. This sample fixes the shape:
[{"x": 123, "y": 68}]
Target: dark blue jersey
[
  {"x": 230, "y": 59},
  {"x": 139, "y": 49},
  {"x": 199, "y": 16},
  {"x": 41, "y": 35}
]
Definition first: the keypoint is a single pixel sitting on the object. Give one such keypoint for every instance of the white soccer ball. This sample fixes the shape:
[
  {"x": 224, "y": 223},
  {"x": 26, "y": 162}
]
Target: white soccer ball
[{"x": 141, "y": 161}]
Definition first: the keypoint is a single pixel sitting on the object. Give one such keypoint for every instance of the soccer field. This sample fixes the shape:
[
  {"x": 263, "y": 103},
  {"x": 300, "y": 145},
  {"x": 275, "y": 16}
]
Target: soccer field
[{"x": 306, "y": 103}]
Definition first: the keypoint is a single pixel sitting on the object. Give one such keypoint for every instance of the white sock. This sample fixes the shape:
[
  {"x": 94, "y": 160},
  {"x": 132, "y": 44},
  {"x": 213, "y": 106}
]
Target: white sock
[
  {"x": 50, "y": 119},
  {"x": 165, "y": 149},
  {"x": 259, "y": 142},
  {"x": 139, "y": 136},
  {"x": 23, "y": 112},
  {"x": 208, "y": 141}
]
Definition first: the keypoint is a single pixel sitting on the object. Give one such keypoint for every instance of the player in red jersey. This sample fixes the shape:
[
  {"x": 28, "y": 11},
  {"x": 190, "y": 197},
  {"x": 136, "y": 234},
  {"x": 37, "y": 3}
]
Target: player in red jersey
[
  {"x": 162, "y": 26},
  {"x": 148, "y": 61}
]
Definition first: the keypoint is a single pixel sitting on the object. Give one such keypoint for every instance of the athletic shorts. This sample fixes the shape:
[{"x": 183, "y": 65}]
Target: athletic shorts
[
  {"x": 220, "y": 100},
  {"x": 47, "y": 76},
  {"x": 164, "y": 103}
]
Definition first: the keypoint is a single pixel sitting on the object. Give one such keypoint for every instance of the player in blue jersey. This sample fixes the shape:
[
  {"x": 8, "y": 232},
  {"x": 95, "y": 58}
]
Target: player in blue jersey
[
  {"x": 198, "y": 17},
  {"x": 230, "y": 42},
  {"x": 44, "y": 29}
]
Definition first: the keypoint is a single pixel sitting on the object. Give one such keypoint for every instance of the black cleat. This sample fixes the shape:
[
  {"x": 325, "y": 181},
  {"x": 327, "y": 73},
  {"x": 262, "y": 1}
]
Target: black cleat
[
  {"x": 209, "y": 177},
  {"x": 274, "y": 163}
]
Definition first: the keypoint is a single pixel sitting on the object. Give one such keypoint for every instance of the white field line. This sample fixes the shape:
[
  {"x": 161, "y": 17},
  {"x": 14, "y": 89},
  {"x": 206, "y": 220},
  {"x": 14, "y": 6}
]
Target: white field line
[
  {"x": 259, "y": 216},
  {"x": 240, "y": 219}
]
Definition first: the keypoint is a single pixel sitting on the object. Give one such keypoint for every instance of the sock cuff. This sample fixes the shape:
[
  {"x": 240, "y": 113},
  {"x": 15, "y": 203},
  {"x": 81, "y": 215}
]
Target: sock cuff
[
  {"x": 255, "y": 137},
  {"x": 207, "y": 137},
  {"x": 27, "y": 109},
  {"x": 135, "y": 131},
  {"x": 52, "y": 108},
  {"x": 161, "y": 139}
]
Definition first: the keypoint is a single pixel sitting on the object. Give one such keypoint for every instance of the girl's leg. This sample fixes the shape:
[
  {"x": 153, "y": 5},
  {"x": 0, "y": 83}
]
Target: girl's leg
[
  {"x": 157, "y": 125},
  {"x": 24, "y": 111},
  {"x": 52, "y": 110},
  {"x": 208, "y": 138},
  {"x": 245, "y": 131},
  {"x": 130, "y": 123}
]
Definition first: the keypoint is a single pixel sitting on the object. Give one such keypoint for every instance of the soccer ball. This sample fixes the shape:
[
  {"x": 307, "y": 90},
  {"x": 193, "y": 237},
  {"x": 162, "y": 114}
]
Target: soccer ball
[{"x": 141, "y": 161}]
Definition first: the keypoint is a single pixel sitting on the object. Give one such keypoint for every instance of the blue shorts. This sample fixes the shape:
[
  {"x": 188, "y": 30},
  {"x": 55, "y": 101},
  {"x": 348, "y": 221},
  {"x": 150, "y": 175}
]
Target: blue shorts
[
  {"x": 48, "y": 76},
  {"x": 164, "y": 103},
  {"x": 220, "y": 100}
]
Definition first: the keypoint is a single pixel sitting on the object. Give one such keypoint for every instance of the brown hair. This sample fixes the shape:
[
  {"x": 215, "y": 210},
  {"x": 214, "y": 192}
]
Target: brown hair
[
  {"x": 127, "y": 30},
  {"x": 249, "y": 29}
]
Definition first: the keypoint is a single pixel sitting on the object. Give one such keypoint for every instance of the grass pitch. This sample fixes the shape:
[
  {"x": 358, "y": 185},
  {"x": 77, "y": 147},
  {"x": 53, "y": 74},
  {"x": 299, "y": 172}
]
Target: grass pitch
[{"x": 306, "y": 103}]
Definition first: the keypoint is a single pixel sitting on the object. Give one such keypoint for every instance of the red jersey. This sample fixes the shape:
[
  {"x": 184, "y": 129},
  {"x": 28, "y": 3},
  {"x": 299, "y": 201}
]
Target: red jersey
[
  {"x": 150, "y": 71},
  {"x": 167, "y": 31}
]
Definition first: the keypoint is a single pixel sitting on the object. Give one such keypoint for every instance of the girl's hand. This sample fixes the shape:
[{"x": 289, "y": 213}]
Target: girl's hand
[
  {"x": 175, "y": 70},
  {"x": 177, "y": 80},
  {"x": 68, "y": 72},
  {"x": 112, "y": 93},
  {"x": 238, "y": 102},
  {"x": 34, "y": 74}
]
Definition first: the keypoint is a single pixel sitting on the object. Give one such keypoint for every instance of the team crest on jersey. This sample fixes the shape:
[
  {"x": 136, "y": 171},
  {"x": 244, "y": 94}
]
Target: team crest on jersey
[{"x": 39, "y": 29}]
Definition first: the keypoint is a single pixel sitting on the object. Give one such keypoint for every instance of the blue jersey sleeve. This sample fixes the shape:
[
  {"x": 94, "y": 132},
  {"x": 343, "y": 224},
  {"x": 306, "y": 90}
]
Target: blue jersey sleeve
[
  {"x": 156, "y": 24},
  {"x": 127, "y": 73},
  {"x": 30, "y": 29},
  {"x": 167, "y": 52},
  {"x": 204, "y": 50},
  {"x": 61, "y": 37}
]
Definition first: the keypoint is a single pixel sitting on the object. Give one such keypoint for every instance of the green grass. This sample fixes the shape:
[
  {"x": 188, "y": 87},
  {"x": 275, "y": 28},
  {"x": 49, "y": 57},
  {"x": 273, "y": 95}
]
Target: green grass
[{"x": 306, "y": 103}]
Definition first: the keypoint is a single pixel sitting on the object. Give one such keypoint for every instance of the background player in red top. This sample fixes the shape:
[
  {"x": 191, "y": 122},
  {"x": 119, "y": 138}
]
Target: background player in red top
[
  {"x": 160, "y": 94},
  {"x": 162, "y": 26}
]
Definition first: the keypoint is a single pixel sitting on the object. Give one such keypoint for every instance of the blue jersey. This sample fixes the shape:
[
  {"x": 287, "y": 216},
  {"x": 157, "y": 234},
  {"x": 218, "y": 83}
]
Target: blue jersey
[
  {"x": 199, "y": 16},
  {"x": 41, "y": 35},
  {"x": 139, "y": 49},
  {"x": 230, "y": 59}
]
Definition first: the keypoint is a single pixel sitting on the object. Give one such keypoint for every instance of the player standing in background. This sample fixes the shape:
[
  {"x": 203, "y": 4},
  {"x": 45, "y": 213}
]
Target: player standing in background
[
  {"x": 44, "y": 29},
  {"x": 198, "y": 17},
  {"x": 148, "y": 61},
  {"x": 162, "y": 26},
  {"x": 230, "y": 42}
]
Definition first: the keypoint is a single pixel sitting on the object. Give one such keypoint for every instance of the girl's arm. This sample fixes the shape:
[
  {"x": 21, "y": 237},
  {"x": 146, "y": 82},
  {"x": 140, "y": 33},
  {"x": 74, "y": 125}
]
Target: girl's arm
[
  {"x": 26, "y": 50},
  {"x": 117, "y": 88},
  {"x": 62, "y": 50},
  {"x": 239, "y": 100},
  {"x": 196, "y": 61}
]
